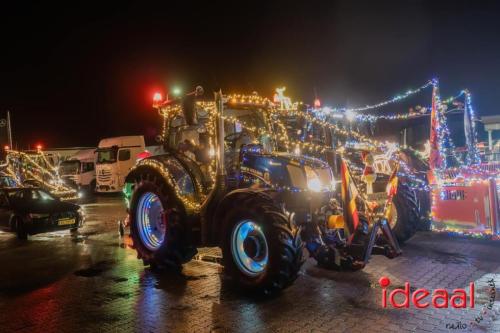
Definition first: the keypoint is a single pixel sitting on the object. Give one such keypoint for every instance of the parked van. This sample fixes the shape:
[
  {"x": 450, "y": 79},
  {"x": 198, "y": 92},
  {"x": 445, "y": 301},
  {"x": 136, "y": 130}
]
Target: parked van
[{"x": 115, "y": 157}]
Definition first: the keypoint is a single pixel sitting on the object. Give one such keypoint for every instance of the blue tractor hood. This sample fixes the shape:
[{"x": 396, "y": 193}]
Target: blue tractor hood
[{"x": 283, "y": 169}]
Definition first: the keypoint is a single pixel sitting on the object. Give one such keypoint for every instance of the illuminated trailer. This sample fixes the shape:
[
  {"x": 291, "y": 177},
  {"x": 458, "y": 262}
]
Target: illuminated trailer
[{"x": 468, "y": 202}]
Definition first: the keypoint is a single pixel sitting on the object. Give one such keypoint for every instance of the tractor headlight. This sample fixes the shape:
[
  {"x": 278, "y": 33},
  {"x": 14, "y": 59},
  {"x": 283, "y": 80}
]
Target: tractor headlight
[{"x": 313, "y": 182}]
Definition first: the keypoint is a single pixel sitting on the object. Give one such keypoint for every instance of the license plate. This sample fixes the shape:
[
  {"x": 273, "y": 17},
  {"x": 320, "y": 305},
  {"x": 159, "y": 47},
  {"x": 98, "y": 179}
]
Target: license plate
[{"x": 66, "y": 221}]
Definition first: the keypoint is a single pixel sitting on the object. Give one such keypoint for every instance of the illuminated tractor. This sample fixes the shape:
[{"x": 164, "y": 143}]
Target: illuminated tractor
[
  {"x": 223, "y": 183},
  {"x": 411, "y": 202}
]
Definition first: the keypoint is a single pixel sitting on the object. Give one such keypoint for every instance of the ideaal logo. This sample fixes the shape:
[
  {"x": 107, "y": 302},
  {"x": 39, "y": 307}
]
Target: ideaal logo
[
  {"x": 423, "y": 298},
  {"x": 439, "y": 299}
]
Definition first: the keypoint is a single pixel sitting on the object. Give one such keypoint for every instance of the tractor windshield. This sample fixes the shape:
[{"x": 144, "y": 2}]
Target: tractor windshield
[{"x": 247, "y": 126}]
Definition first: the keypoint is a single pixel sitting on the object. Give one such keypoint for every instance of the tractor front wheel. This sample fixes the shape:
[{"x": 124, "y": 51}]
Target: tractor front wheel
[
  {"x": 261, "y": 251},
  {"x": 156, "y": 224}
]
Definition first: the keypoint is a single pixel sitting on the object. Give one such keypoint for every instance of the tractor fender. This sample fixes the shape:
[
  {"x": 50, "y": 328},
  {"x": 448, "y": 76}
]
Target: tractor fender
[
  {"x": 142, "y": 173},
  {"x": 168, "y": 173}
]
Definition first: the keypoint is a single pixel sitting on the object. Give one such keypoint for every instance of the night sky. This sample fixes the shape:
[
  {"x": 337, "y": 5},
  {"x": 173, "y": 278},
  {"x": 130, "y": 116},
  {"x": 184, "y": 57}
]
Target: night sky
[{"x": 71, "y": 76}]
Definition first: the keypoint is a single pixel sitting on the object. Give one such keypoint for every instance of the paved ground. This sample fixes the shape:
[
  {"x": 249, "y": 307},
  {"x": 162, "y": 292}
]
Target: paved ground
[{"x": 58, "y": 283}]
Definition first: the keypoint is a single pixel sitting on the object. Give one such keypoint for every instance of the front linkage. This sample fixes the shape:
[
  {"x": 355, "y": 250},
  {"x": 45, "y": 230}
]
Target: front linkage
[{"x": 346, "y": 238}]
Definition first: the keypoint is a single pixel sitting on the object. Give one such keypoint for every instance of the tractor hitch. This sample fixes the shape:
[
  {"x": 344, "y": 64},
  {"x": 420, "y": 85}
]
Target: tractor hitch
[{"x": 382, "y": 244}]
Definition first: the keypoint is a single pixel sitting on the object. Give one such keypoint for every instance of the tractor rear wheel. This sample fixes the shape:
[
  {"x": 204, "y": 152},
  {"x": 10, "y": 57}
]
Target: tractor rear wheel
[
  {"x": 405, "y": 213},
  {"x": 261, "y": 250},
  {"x": 156, "y": 224}
]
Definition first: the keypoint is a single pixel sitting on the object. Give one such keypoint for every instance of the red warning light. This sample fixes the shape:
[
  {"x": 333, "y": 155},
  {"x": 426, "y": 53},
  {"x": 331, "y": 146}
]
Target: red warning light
[{"x": 157, "y": 97}]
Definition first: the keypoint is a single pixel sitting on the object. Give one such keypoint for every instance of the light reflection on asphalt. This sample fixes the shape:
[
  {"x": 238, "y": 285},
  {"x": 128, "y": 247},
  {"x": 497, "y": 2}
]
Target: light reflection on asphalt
[{"x": 59, "y": 282}]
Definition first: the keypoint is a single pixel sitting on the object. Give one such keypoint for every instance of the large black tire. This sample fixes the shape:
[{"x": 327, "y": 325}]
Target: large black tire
[
  {"x": 284, "y": 245},
  {"x": 408, "y": 217},
  {"x": 424, "y": 201},
  {"x": 172, "y": 252}
]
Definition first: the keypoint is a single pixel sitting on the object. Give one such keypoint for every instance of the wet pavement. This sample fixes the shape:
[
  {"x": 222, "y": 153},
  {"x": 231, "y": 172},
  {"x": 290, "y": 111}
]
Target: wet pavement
[{"x": 93, "y": 283}]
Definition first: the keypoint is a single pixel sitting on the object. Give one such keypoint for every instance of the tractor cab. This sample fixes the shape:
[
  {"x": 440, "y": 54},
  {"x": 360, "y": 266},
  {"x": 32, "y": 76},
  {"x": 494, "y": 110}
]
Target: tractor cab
[{"x": 247, "y": 123}]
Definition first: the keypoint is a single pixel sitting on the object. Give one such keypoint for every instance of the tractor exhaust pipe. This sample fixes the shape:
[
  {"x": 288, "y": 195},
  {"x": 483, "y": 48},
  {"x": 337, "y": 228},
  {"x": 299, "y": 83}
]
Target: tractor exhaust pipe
[
  {"x": 219, "y": 128},
  {"x": 220, "y": 186}
]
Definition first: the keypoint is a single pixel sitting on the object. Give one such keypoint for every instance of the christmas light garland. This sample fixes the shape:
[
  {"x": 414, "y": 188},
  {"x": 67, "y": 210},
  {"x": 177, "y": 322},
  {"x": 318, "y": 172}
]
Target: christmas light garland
[
  {"x": 473, "y": 156},
  {"x": 20, "y": 164},
  {"x": 395, "y": 99}
]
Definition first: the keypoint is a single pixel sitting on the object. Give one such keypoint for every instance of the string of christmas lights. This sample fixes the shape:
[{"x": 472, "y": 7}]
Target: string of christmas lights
[
  {"x": 395, "y": 99},
  {"x": 21, "y": 166},
  {"x": 420, "y": 112},
  {"x": 473, "y": 157}
]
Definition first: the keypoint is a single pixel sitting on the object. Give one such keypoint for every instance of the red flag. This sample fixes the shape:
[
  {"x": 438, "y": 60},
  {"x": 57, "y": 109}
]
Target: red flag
[
  {"x": 392, "y": 190},
  {"x": 349, "y": 195}
]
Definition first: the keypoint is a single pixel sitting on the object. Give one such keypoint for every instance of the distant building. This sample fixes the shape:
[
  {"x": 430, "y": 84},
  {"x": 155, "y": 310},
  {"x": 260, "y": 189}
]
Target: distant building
[{"x": 491, "y": 123}]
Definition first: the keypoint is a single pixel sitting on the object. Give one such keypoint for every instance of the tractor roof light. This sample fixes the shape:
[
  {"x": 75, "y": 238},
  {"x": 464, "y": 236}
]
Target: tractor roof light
[{"x": 157, "y": 98}]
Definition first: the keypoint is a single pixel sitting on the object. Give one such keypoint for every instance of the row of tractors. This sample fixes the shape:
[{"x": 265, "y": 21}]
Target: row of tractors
[{"x": 264, "y": 184}]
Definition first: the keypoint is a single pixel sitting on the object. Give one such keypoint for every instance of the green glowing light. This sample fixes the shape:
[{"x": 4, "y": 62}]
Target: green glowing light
[{"x": 176, "y": 91}]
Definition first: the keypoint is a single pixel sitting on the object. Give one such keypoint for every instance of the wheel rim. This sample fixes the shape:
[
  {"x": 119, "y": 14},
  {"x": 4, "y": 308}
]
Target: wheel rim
[
  {"x": 151, "y": 222},
  {"x": 249, "y": 248},
  {"x": 394, "y": 216}
]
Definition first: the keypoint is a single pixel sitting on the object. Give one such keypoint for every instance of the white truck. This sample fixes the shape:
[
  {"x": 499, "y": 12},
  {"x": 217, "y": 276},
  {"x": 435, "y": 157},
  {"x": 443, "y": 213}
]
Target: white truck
[
  {"x": 78, "y": 170},
  {"x": 115, "y": 157},
  {"x": 57, "y": 155}
]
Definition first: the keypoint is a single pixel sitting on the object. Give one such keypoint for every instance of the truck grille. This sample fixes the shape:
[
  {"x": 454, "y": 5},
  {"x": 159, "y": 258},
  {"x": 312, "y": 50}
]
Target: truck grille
[
  {"x": 104, "y": 176},
  {"x": 69, "y": 181}
]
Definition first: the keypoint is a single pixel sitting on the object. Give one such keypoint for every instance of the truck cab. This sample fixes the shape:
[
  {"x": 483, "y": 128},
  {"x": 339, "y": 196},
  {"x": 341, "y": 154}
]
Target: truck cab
[
  {"x": 115, "y": 157},
  {"x": 79, "y": 170}
]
